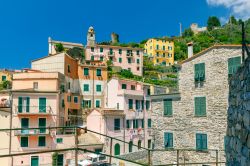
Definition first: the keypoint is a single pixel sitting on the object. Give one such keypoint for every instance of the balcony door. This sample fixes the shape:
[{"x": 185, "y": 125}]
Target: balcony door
[
  {"x": 25, "y": 125},
  {"x": 42, "y": 105},
  {"x": 42, "y": 124},
  {"x": 23, "y": 104},
  {"x": 34, "y": 161}
]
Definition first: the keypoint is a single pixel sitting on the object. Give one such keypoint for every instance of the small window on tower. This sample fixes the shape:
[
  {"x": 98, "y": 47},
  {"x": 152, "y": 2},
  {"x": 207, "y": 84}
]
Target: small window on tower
[{"x": 35, "y": 85}]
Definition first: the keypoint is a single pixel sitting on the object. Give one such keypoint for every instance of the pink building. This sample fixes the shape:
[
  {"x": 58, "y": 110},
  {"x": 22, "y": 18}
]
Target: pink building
[
  {"x": 127, "y": 116},
  {"x": 124, "y": 57}
]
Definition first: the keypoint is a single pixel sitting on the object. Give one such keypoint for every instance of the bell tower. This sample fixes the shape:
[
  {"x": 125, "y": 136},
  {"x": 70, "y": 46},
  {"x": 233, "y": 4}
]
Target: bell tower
[{"x": 91, "y": 37}]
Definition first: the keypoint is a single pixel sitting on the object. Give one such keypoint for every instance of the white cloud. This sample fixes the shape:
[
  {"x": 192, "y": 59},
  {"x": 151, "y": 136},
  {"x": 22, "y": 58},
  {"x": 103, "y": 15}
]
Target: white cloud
[{"x": 239, "y": 8}]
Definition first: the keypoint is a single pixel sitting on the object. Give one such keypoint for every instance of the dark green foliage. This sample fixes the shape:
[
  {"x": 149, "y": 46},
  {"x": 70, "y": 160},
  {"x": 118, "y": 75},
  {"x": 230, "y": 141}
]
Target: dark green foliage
[
  {"x": 213, "y": 22},
  {"x": 232, "y": 20},
  {"x": 5, "y": 85},
  {"x": 188, "y": 33},
  {"x": 54, "y": 159},
  {"x": 76, "y": 52},
  {"x": 126, "y": 73},
  {"x": 59, "y": 47}
]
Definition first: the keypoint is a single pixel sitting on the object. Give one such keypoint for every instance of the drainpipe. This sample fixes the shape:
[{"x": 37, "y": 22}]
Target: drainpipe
[
  {"x": 93, "y": 89},
  {"x": 124, "y": 144},
  {"x": 10, "y": 139}
]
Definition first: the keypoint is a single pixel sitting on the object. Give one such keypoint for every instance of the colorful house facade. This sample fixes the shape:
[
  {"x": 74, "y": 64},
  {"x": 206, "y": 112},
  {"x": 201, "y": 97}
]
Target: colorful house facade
[{"x": 160, "y": 50}]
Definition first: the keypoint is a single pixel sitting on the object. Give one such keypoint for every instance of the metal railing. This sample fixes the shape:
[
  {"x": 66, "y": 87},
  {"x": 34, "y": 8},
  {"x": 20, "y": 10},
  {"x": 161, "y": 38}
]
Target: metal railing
[{"x": 33, "y": 110}]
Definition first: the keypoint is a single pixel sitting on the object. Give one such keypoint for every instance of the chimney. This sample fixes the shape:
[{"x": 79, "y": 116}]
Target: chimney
[
  {"x": 114, "y": 38},
  {"x": 190, "y": 49}
]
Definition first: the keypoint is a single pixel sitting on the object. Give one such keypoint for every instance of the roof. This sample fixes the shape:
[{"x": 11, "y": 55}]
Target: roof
[
  {"x": 31, "y": 90},
  {"x": 89, "y": 139},
  {"x": 173, "y": 96},
  {"x": 209, "y": 49},
  {"x": 66, "y": 43},
  {"x": 47, "y": 56}
]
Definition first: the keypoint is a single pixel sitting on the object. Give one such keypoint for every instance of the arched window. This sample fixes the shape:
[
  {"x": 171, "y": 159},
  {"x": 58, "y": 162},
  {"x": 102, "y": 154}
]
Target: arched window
[
  {"x": 139, "y": 144},
  {"x": 117, "y": 149},
  {"x": 130, "y": 146}
]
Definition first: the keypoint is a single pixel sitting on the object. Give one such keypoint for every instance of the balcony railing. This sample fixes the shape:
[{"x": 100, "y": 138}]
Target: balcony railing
[
  {"x": 26, "y": 132},
  {"x": 41, "y": 110},
  {"x": 130, "y": 92}
]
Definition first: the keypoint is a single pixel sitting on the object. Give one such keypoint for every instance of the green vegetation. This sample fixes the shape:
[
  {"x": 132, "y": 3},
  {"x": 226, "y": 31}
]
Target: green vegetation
[
  {"x": 5, "y": 85},
  {"x": 213, "y": 22},
  {"x": 76, "y": 52},
  {"x": 59, "y": 47},
  {"x": 54, "y": 159}
]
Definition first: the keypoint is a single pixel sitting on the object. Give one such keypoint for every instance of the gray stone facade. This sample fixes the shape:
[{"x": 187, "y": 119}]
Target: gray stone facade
[
  {"x": 238, "y": 131},
  {"x": 183, "y": 123}
]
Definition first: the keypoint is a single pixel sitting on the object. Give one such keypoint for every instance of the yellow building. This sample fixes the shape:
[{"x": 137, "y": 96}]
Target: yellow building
[
  {"x": 161, "y": 51},
  {"x": 5, "y": 75}
]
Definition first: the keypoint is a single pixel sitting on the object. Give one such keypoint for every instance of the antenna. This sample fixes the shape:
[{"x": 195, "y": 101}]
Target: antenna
[{"x": 180, "y": 29}]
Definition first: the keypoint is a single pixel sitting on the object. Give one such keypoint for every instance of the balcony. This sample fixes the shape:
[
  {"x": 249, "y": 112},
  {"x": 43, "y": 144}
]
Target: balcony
[
  {"x": 29, "y": 132},
  {"x": 124, "y": 92},
  {"x": 33, "y": 110}
]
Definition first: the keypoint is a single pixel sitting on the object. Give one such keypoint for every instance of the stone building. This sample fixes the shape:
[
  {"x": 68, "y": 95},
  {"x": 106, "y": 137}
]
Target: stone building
[
  {"x": 196, "y": 117},
  {"x": 237, "y": 141}
]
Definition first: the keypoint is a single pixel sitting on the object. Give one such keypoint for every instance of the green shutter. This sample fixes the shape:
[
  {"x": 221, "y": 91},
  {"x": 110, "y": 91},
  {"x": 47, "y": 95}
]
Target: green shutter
[
  {"x": 149, "y": 123},
  {"x": 124, "y": 86},
  {"x": 98, "y": 72},
  {"x": 20, "y": 104},
  {"x": 142, "y": 123},
  {"x": 128, "y": 124},
  {"x": 168, "y": 107},
  {"x": 41, "y": 141},
  {"x": 147, "y": 105},
  {"x": 233, "y": 65},
  {"x": 85, "y": 87},
  {"x": 199, "y": 73},
  {"x": 130, "y": 103},
  {"x": 97, "y": 103},
  {"x": 101, "y": 49},
  {"x": 120, "y": 51},
  {"x": 28, "y": 104},
  {"x": 24, "y": 141},
  {"x": 98, "y": 88},
  {"x": 168, "y": 140},
  {"x": 120, "y": 60},
  {"x": 34, "y": 161},
  {"x": 42, "y": 105},
  {"x": 116, "y": 124},
  {"x": 42, "y": 124},
  {"x": 86, "y": 71},
  {"x": 134, "y": 125},
  {"x": 130, "y": 146},
  {"x": 200, "y": 106},
  {"x": 117, "y": 149},
  {"x": 138, "y": 61}
]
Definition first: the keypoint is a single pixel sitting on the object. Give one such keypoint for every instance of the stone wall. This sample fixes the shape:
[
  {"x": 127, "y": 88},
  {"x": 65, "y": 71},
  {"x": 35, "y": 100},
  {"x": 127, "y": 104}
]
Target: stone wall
[
  {"x": 183, "y": 123},
  {"x": 238, "y": 130}
]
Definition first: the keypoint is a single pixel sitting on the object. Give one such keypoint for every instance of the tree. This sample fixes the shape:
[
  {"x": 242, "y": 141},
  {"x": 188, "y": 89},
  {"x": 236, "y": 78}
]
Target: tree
[
  {"x": 59, "y": 47},
  {"x": 76, "y": 52},
  {"x": 188, "y": 33},
  {"x": 213, "y": 22},
  {"x": 232, "y": 20},
  {"x": 54, "y": 159}
]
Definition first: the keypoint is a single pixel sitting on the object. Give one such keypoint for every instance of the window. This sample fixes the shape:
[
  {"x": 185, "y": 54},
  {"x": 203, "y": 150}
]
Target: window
[
  {"x": 42, "y": 104},
  {"x": 68, "y": 98},
  {"x": 164, "y": 55},
  {"x": 137, "y": 104},
  {"x": 35, "y": 85},
  {"x": 86, "y": 87},
  {"x": 25, "y": 125},
  {"x": 233, "y": 65},
  {"x": 163, "y": 47},
  {"x": 97, "y": 103},
  {"x": 124, "y": 86},
  {"x": 63, "y": 103},
  {"x": 147, "y": 105},
  {"x": 128, "y": 124},
  {"x": 148, "y": 91},
  {"x": 169, "y": 55},
  {"x": 120, "y": 51},
  {"x": 68, "y": 68},
  {"x": 132, "y": 87},
  {"x": 137, "y": 68},
  {"x": 42, "y": 125},
  {"x": 200, "y": 106},
  {"x": 137, "y": 52},
  {"x": 62, "y": 88},
  {"x": 68, "y": 85},
  {"x": 98, "y": 151},
  {"x": 117, "y": 124},
  {"x": 130, "y": 103},
  {"x": 157, "y": 60},
  {"x": 98, "y": 72},
  {"x": 101, "y": 49},
  {"x": 117, "y": 149},
  {"x": 157, "y": 54},
  {"x": 142, "y": 104},
  {"x": 75, "y": 99},
  {"x": 110, "y": 51},
  {"x": 142, "y": 123},
  {"x": 135, "y": 123},
  {"x": 139, "y": 144},
  {"x": 130, "y": 146},
  {"x": 41, "y": 141},
  {"x": 168, "y": 107},
  {"x": 149, "y": 143},
  {"x": 24, "y": 141},
  {"x": 86, "y": 71},
  {"x": 169, "y": 48},
  {"x": 138, "y": 61},
  {"x": 157, "y": 47},
  {"x": 149, "y": 123},
  {"x": 92, "y": 57},
  {"x": 101, "y": 58},
  {"x": 3, "y": 78},
  {"x": 168, "y": 140},
  {"x": 129, "y": 60},
  {"x": 59, "y": 140},
  {"x": 120, "y": 60},
  {"x": 86, "y": 103},
  {"x": 199, "y": 73},
  {"x": 92, "y": 49},
  {"x": 129, "y": 69},
  {"x": 98, "y": 88},
  {"x": 201, "y": 141}
]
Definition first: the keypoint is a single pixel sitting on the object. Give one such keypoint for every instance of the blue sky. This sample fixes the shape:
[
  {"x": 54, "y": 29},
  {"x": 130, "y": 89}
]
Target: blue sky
[{"x": 26, "y": 25}]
